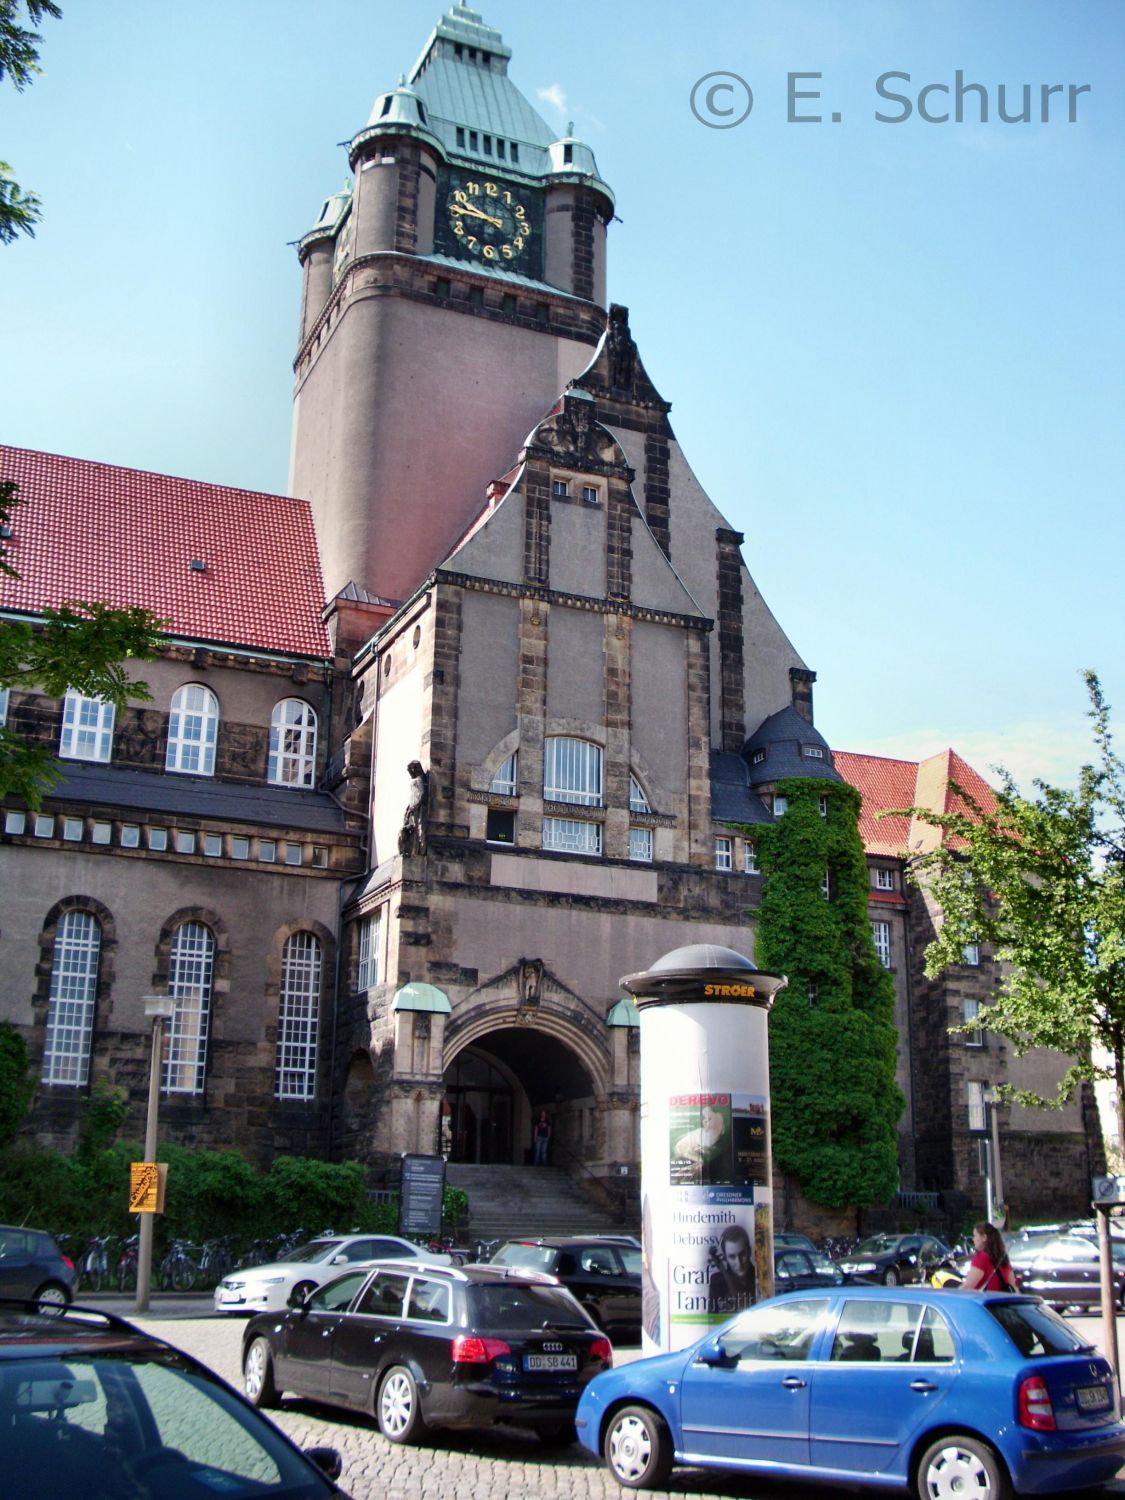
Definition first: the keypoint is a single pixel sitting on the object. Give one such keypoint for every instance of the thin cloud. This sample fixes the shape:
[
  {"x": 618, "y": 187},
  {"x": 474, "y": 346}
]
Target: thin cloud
[{"x": 555, "y": 96}]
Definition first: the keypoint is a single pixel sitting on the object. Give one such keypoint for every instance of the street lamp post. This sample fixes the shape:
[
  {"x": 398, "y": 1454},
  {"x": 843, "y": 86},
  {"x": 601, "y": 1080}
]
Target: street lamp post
[
  {"x": 995, "y": 1205},
  {"x": 158, "y": 1009}
]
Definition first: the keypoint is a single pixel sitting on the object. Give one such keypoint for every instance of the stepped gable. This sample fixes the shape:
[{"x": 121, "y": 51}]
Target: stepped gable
[{"x": 214, "y": 563}]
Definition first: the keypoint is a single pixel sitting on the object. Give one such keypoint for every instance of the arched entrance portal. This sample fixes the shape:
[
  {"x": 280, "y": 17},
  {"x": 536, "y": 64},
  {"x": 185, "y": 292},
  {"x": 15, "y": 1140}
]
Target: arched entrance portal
[{"x": 496, "y": 1086}]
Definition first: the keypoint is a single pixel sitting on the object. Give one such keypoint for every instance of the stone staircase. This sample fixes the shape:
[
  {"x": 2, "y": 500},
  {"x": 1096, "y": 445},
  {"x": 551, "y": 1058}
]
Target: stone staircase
[{"x": 508, "y": 1202}]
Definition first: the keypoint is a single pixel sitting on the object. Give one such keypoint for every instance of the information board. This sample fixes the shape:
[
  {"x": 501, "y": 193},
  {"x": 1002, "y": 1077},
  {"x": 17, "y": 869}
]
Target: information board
[{"x": 423, "y": 1183}]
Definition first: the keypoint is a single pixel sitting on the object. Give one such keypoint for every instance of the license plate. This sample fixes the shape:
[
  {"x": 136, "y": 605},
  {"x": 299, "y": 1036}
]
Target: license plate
[
  {"x": 1092, "y": 1397},
  {"x": 550, "y": 1361}
]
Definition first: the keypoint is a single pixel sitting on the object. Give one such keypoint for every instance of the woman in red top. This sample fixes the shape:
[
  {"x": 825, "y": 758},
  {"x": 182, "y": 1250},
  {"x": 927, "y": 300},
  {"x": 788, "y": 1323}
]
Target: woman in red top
[{"x": 989, "y": 1269}]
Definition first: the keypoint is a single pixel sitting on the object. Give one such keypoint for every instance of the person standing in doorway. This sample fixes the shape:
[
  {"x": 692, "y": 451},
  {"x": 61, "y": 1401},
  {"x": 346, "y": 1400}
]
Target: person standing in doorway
[{"x": 541, "y": 1139}]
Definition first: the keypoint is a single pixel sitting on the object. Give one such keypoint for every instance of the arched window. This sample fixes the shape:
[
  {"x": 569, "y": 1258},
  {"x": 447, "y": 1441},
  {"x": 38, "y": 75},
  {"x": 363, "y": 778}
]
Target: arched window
[
  {"x": 292, "y": 743},
  {"x": 70, "y": 1008},
  {"x": 193, "y": 727},
  {"x": 191, "y": 966},
  {"x": 638, "y": 802},
  {"x": 507, "y": 779},
  {"x": 87, "y": 728},
  {"x": 572, "y": 772},
  {"x": 297, "y": 1015}
]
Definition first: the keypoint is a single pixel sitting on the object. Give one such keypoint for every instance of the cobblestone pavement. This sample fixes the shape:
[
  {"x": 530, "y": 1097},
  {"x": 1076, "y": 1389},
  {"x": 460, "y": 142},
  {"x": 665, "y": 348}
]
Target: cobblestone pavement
[{"x": 496, "y": 1464}]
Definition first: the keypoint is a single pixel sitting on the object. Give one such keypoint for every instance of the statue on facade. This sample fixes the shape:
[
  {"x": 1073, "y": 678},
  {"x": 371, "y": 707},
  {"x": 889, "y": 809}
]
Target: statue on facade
[
  {"x": 622, "y": 349},
  {"x": 531, "y": 980},
  {"x": 412, "y": 837}
]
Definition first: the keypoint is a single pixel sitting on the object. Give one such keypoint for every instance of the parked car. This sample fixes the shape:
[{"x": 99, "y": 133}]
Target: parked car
[
  {"x": 432, "y": 1346},
  {"x": 603, "y": 1273},
  {"x": 91, "y": 1407},
  {"x": 32, "y": 1266},
  {"x": 894, "y": 1258},
  {"x": 1066, "y": 1272},
  {"x": 949, "y": 1394},
  {"x": 268, "y": 1288},
  {"x": 789, "y": 1239},
  {"x": 798, "y": 1270}
]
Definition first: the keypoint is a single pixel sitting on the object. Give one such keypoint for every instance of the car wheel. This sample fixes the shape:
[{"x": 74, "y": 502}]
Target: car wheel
[
  {"x": 638, "y": 1448},
  {"x": 890, "y": 1277},
  {"x": 257, "y": 1375},
  {"x": 962, "y": 1466},
  {"x": 53, "y": 1297},
  {"x": 559, "y": 1436},
  {"x": 304, "y": 1287},
  {"x": 398, "y": 1407}
]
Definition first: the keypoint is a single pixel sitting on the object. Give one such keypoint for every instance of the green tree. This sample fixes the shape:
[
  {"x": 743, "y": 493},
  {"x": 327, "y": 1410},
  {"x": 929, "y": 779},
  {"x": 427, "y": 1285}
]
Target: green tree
[
  {"x": 832, "y": 1036},
  {"x": 19, "y": 61},
  {"x": 1041, "y": 879},
  {"x": 17, "y": 1082},
  {"x": 84, "y": 646}
]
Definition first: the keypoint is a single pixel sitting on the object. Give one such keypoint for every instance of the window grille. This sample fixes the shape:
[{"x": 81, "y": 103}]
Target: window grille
[
  {"x": 978, "y": 1117},
  {"x": 70, "y": 1007},
  {"x": 884, "y": 880},
  {"x": 87, "y": 728},
  {"x": 297, "y": 1017},
  {"x": 506, "y": 780},
  {"x": 723, "y": 854},
  {"x": 749, "y": 859},
  {"x": 640, "y": 845},
  {"x": 370, "y": 951},
  {"x": 881, "y": 932},
  {"x": 970, "y": 1010},
  {"x": 570, "y": 837},
  {"x": 193, "y": 726},
  {"x": 292, "y": 759},
  {"x": 190, "y": 971},
  {"x": 572, "y": 772}
]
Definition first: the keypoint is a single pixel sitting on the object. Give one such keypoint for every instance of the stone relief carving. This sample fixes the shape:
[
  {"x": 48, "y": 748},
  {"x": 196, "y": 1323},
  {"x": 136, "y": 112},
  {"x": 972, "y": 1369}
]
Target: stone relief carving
[
  {"x": 531, "y": 980},
  {"x": 622, "y": 349},
  {"x": 412, "y": 838}
]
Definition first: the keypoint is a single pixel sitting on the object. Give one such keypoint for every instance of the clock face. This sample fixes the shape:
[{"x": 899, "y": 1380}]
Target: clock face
[{"x": 490, "y": 221}]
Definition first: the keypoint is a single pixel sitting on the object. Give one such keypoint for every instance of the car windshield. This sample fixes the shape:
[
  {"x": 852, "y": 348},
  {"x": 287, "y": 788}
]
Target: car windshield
[
  {"x": 820, "y": 1262},
  {"x": 107, "y": 1426},
  {"x": 511, "y": 1307},
  {"x": 314, "y": 1250},
  {"x": 875, "y": 1244},
  {"x": 530, "y": 1257},
  {"x": 1036, "y": 1330}
]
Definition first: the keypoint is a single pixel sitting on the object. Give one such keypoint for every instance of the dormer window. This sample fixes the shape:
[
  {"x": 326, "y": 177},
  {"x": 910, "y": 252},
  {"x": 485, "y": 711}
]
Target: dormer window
[
  {"x": 386, "y": 109},
  {"x": 568, "y": 153},
  {"x": 814, "y": 752},
  {"x": 759, "y": 757}
]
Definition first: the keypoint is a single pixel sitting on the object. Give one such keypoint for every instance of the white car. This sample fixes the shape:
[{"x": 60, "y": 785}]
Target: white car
[{"x": 268, "y": 1288}]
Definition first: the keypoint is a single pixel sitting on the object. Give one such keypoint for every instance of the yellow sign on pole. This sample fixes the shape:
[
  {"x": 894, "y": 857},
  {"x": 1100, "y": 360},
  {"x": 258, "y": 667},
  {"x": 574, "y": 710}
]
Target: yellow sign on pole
[{"x": 146, "y": 1187}]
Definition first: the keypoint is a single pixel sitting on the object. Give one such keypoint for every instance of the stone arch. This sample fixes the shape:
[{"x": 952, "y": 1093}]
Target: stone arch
[
  {"x": 220, "y": 982},
  {"x": 271, "y": 1000},
  {"x": 472, "y": 1027}
]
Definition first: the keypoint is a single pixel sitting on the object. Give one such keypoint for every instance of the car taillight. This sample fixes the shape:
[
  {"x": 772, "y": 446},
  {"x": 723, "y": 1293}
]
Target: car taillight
[
  {"x": 602, "y": 1349},
  {"x": 470, "y": 1350},
  {"x": 68, "y": 1263},
  {"x": 1035, "y": 1405}
]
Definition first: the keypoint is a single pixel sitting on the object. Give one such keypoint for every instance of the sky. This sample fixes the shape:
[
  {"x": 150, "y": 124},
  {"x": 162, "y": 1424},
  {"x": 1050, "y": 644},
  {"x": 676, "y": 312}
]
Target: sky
[{"x": 894, "y": 348}]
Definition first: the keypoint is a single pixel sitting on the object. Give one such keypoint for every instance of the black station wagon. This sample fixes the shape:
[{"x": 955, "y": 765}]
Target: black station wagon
[{"x": 432, "y": 1346}]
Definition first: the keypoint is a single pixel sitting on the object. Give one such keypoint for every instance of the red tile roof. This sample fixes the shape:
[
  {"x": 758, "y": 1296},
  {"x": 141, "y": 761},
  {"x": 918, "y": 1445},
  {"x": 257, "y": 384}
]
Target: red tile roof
[
  {"x": 90, "y": 531},
  {"x": 884, "y": 784}
]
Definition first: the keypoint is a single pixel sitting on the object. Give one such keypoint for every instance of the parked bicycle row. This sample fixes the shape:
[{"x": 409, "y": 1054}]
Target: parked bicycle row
[{"x": 107, "y": 1262}]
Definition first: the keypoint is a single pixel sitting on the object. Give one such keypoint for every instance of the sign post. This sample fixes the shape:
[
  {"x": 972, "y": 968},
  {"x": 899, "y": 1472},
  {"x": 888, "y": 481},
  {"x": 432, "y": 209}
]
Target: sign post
[
  {"x": 1108, "y": 1193},
  {"x": 423, "y": 1188}
]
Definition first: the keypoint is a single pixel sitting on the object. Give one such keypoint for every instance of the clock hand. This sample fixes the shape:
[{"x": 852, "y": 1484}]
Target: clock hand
[{"x": 463, "y": 208}]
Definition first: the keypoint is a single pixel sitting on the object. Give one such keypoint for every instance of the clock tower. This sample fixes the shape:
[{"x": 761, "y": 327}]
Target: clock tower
[{"x": 449, "y": 294}]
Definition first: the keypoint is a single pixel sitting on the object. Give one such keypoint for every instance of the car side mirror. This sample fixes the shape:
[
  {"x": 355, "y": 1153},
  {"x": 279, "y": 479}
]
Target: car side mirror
[
  {"x": 339, "y": 1260},
  {"x": 296, "y": 1298},
  {"x": 711, "y": 1353},
  {"x": 327, "y": 1460}
]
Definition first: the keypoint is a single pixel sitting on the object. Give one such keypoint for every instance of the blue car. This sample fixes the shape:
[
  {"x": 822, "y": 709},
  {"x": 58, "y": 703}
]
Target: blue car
[{"x": 951, "y": 1393}]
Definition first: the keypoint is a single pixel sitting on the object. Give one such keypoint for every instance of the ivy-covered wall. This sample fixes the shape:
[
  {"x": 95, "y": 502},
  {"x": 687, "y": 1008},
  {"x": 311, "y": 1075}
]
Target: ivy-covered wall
[{"x": 835, "y": 1104}]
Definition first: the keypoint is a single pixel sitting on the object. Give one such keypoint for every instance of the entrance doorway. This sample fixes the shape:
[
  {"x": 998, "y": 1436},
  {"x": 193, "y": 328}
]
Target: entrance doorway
[{"x": 481, "y": 1105}]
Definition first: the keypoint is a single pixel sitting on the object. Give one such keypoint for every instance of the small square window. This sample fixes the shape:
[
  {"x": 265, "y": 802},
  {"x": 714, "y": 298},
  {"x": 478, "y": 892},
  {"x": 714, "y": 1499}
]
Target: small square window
[
  {"x": 759, "y": 757},
  {"x": 560, "y": 487},
  {"x": 442, "y": 286},
  {"x": 185, "y": 841},
  {"x": 970, "y": 955},
  {"x": 267, "y": 851},
  {"x": 44, "y": 826},
  {"x": 213, "y": 845},
  {"x": 723, "y": 854},
  {"x": 158, "y": 838},
  {"x": 590, "y": 494},
  {"x": 320, "y": 857},
  {"x": 293, "y": 854},
  {"x": 101, "y": 833},
  {"x": 239, "y": 848},
  {"x": 780, "y": 805},
  {"x": 15, "y": 822},
  {"x": 640, "y": 845},
  {"x": 72, "y": 829},
  {"x": 884, "y": 879},
  {"x": 500, "y": 826},
  {"x": 130, "y": 836}
]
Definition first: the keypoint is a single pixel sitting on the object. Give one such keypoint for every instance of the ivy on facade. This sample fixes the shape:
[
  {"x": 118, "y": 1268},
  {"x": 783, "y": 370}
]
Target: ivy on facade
[{"x": 835, "y": 1104}]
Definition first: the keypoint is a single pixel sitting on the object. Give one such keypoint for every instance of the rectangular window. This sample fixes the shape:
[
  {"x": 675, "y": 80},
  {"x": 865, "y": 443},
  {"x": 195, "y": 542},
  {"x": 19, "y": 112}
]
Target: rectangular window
[
  {"x": 15, "y": 822},
  {"x": 299, "y": 1002},
  {"x": 572, "y": 772},
  {"x": 500, "y": 148},
  {"x": 213, "y": 845},
  {"x": 780, "y": 805},
  {"x": 293, "y": 854},
  {"x": 158, "y": 838},
  {"x": 461, "y": 137},
  {"x": 970, "y": 1010},
  {"x": 970, "y": 955},
  {"x": 823, "y": 807},
  {"x": 267, "y": 851},
  {"x": 826, "y": 886},
  {"x": 130, "y": 836},
  {"x": 978, "y": 1116},
  {"x": 101, "y": 833},
  {"x": 3, "y": 706},
  {"x": 70, "y": 1009},
  {"x": 72, "y": 829},
  {"x": 571, "y": 837},
  {"x": 749, "y": 859},
  {"x": 474, "y": 141},
  {"x": 881, "y": 932},
  {"x": 560, "y": 488},
  {"x": 320, "y": 857},
  {"x": 185, "y": 841},
  {"x": 590, "y": 494},
  {"x": 814, "y": 752},
  {"x": 239, "y": 848},
  {"x": 87, "y": 729},
  {"x": 190, "y": 971},
  {"x": 500, "y": 826},
  {"x": 515, "y": 151},
  {"x": 884, "y": 879},
  {"x": 640, "y": 845},
  {"x": 508, "y": 304},
  {"x": 44, "y": 826},
  {"x": 488, "y": 145},
  {"x": 370, "y": 951},
  {"x": 723, "y": 854}
]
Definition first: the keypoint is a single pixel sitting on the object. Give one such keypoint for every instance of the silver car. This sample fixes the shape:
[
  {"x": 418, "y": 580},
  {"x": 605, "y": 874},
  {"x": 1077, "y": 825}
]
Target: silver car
[{"x": 269, "y": 1288}]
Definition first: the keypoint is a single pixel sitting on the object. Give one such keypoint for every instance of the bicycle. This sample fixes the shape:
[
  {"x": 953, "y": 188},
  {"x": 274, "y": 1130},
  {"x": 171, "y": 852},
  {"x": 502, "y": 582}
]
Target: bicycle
[
  {"x": 179, "y": 1269},
  {"x": 126, "y": 1269},
  {"x": 215, "y": 1261},
  {"x": 93, "y": 1268}
]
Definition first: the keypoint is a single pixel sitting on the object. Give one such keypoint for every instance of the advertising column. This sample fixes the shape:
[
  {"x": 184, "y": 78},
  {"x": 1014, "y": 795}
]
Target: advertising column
[{"x": 706, "y": 1191}]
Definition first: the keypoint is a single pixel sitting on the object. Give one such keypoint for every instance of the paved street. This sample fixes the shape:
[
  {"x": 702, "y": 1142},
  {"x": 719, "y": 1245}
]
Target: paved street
[{"x": 499, "y": 1464}]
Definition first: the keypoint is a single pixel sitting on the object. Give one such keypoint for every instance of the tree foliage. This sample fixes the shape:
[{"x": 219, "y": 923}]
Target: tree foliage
[
  {"x": 19, "y": 63},
  {"x": 83, "y": 646},
  {"x": 835, "y": 1104},
  {"x": 17, "y": 1082},
  {"x": 1042, "y": 880}
]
